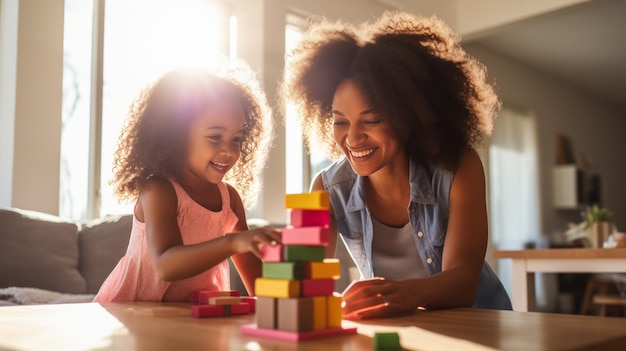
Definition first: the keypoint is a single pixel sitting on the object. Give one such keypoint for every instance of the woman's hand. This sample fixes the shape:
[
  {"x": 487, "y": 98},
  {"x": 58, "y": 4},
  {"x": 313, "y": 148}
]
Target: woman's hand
[
  {"x": 252, "y": 240},
  {"x": 378, "y": 297}
]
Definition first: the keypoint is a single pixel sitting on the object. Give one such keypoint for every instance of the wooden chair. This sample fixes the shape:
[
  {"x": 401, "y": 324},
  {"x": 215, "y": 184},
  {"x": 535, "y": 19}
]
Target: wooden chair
[{"x": 601, "y": 293}]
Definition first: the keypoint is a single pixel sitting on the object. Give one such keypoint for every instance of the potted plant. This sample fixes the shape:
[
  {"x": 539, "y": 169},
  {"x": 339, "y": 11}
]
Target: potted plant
[{"x": 598, "y": 225}]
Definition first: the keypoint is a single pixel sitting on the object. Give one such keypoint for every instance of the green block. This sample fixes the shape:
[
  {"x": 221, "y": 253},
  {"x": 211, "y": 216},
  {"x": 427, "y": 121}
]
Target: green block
[
  {"x": 284, "y": 270},
  {"x": 295, "y": 253},
  {"x": 387, "y": 341}
]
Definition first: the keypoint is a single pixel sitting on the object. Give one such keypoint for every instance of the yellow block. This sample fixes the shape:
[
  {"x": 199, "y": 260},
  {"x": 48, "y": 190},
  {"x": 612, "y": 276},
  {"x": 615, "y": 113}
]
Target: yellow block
[
  {"x": 319, "y": 313},
  {"x": 333, "y": 311},
  {"x": 315, "y": 200},
  {"x": 268, "y": 287},
  {"x": 329, "y": 269}
]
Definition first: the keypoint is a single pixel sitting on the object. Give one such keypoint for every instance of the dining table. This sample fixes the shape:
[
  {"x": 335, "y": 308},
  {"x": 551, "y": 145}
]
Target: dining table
[
  {"x": 525, "y": 263},
  {"x": 171, "y": 326}
]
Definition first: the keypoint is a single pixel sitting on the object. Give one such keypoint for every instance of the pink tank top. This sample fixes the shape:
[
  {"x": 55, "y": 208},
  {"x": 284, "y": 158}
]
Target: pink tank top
[{"x": 135, "y": 279}]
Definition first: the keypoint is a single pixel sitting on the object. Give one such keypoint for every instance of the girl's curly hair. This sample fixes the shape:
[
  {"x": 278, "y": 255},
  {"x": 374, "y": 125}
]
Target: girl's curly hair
[
  {"x": 410, "y": 68},
  {"x": 153, "y": 139}
]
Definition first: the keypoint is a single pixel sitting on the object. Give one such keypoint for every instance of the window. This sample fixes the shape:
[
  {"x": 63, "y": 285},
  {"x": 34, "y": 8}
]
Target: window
[
  {"x": 513, "y": 186},
  {"x": 303, "y": 165},
  {"x": 142, "y": 40}
]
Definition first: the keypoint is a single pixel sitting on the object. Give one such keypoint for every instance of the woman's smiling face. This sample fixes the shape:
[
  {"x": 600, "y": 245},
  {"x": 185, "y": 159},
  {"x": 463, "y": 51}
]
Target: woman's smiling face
[{"x": 366, "y": 138}]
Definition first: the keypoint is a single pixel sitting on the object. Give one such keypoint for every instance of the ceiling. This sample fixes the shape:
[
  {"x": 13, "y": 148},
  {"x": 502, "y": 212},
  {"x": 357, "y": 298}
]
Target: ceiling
[{"x": 583, "y": 45}]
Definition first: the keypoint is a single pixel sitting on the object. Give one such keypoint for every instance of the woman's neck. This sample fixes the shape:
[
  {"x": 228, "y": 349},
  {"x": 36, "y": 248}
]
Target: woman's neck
[{"x": 388, "y": 193}]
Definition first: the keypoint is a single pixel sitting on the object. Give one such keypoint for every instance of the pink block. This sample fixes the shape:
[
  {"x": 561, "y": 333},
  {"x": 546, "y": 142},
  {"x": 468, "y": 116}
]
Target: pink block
[
  {"x": 253, "y": 330},
  {"x": 240, "y": 308},
  {"x": 317, "y": 236},
  {"x": 204, "y": 311},
  {"x": 251, "y": 300},
  {"x": 309, "y": 218},
  {"x": 317, "y": 287},
  {"x": 272, "y": 253}
]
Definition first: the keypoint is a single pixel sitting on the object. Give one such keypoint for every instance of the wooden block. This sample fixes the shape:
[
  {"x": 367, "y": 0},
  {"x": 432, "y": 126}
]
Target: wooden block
[
  {"x": 309, "y": 218},
  {"x": 295, "y": 314},
  {"x": 387, "y": 341},
  {"x": 239, "y": 308},
  {"x": 316, "y": 236},
  {"x": 317, "y": 287},
  {"x": 294, "y": 253},
  {"x": 266, "y": 309},
  {"x": 268, "y": 287},
  {"x": 284, "y": 270},
  {"x": 202, "y": 296},
  {"x": 319, "y": 313},
  {"x": 330, "y": 268},
  {"x": 333, "y": 311},
  {"x": 315, "y": 200},
  {"x": 271, "y": 253},
  {"x": 250, "y": 300},
  {"x": 224, "y": 300},
  {"x": 205, "y": 311},
  {"x": 252, "y": 330}
]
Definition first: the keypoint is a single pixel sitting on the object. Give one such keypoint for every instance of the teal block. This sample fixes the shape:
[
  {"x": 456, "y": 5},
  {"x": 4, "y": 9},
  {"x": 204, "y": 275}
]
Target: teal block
[
  {"x": 387, "y": 341},
  {"x": 295, "y": 253}
]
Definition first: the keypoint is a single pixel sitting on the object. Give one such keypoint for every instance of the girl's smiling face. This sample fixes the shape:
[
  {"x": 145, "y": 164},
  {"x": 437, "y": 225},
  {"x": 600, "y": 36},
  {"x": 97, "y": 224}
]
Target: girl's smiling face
[
  {"x": 366, "y": 138},
  {"x": 214, "y": 141}
]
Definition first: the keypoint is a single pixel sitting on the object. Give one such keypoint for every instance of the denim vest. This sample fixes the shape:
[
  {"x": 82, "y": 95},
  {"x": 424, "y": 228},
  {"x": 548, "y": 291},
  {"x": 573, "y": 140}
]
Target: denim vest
[{"x": 428, "y": 213}]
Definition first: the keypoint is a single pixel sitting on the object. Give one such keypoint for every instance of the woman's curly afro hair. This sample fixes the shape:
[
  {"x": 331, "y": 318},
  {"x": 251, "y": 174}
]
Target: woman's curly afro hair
[{"x": 411, "y": 69}]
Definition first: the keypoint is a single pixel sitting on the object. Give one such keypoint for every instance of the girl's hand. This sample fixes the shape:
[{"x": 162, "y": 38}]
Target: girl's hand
[
  {"x": 252, "y": 240},
  {"x": 377, "y": 297}
]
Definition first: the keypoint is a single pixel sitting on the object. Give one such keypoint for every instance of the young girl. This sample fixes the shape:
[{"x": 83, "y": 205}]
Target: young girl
[
  {"x": 186, "y": 135},
  {"x": 404, "y": 106}
]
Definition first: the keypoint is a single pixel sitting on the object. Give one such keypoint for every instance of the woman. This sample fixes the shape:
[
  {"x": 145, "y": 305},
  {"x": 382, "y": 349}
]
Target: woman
[{"x": 406, "y": 106}]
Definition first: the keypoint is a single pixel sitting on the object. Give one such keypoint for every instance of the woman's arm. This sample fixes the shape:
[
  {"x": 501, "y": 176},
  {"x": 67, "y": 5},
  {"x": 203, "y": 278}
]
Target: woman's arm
[{"x": 463, "y": 257}]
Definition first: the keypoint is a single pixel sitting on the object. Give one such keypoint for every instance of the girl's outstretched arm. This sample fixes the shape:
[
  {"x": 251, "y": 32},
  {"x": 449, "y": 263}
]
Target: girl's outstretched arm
[{"x": 171, "y": 258}]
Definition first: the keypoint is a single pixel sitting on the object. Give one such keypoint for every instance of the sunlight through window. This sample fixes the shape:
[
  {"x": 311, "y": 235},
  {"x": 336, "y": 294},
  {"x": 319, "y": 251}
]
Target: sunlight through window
[{"x": 143, "y": 39}]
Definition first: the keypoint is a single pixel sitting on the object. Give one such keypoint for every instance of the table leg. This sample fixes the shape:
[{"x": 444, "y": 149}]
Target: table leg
[{"x": 523, "y": 287}]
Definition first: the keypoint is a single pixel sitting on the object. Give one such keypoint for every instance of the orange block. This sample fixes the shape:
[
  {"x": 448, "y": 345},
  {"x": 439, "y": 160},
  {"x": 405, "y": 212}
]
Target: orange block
[
  {"x": 328, "y": 269},
  {"x": 320, "y": 318},
  {"x": 268, "y": 287},
  {"x": 315, "y": 200},
  {"x": 334, "y": 313}
]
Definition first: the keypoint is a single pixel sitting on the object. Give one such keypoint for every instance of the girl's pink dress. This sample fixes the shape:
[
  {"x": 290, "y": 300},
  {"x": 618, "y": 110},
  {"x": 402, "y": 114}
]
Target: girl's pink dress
[{"x": 135, "y": 279}]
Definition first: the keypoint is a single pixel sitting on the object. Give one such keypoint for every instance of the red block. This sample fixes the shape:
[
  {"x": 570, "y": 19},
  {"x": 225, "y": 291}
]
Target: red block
[
  {"x": 272, "y": 253},
  {"x": 204, "y": 311},
  {"x": 251, "y": 300},
  {"x": 317, "y": 287},
  {"x": 317, "y": 236},
  {"x": 309, "y": 218},
  {"x": 240, "y": 308}
]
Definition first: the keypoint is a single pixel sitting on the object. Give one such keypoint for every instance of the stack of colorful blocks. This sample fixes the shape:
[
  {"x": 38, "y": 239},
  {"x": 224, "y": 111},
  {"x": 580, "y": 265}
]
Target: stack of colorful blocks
[
  {"x": 295, "y": 299},
  {"x": 221, "y": 303}
]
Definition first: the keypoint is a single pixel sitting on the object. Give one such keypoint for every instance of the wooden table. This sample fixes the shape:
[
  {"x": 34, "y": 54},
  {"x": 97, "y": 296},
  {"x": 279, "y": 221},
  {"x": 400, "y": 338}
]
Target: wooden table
[
  {"x": 169, "y": 326},
  {"x": 579, "y": 260}
]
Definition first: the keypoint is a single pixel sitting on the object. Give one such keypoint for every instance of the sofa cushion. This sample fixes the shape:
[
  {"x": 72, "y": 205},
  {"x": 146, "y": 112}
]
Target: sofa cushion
[
  {"x": 39, "y": 250},
  {"x": 102, "y": 243}
]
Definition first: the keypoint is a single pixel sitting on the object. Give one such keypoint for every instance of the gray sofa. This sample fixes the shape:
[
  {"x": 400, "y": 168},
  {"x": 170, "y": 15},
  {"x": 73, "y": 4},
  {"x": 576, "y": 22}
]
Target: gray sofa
[{"x": 48, "y": 259}]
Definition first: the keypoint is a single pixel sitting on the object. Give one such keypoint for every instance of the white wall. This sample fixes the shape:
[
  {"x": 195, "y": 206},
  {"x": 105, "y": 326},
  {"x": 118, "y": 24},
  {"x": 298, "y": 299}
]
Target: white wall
[
  {"x": 32, "y": 91},
  {"x": 595, "y": 128}
]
